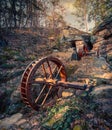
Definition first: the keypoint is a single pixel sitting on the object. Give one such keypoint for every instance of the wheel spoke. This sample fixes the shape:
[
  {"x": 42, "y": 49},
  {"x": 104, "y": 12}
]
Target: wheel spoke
[
  {"x": 44, "y": 87},
  {"x": 43, "y": 67},
  {"x": 58, "y": 72},
  {"x": 49, "y": 69},
  {"x": 47, "y": 95},
  {"x": 52, "y": 86},
  {"x": 40, "y": 94}
]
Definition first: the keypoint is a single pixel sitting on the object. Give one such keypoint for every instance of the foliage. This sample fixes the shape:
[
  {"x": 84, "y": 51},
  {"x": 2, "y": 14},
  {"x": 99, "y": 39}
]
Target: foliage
[
  {"x": 17, "y": 13},
  {"x": 90, "y": 10},
  {"x": 7, "y": 66},
  {"x": 70, "y": 114},
  {"x": 26, "y": 13},
  {"x": 82, "y": 7},
  {"x": 99, "y": 10}
]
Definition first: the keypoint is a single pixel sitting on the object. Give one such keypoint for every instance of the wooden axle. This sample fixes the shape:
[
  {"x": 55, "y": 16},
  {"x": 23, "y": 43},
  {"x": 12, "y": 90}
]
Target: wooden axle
[{"x": 54, "y": 82}]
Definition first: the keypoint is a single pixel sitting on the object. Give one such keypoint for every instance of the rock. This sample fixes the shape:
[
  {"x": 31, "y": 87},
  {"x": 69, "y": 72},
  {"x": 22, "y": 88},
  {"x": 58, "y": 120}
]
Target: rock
[
  {"x": 104, "y": 67},
  {"x": 9, "y": 121},
  {"x": 25, "y": 126},
  {"x": 79, "y": 92},
  {"x": 77, "y": 127},
  {"x": 4, "y": 102},
  {"x": 15, "y": 102},
  {"x": 103, "y": 96},
  {"x": 20, "y": 122},
  {"x": 105, "y": 28},
  {"x": 13, "y": 108},
  {"x": 2, "y": 116},
  {"x": 105, "y": 76},
  {"x": 34, "y": 121},
  {"x": 103, "y": 43},
  {"x": 67, "y": 93},
  {"x": 94, "y": 68},
  {"x": 15, "y": 96}
]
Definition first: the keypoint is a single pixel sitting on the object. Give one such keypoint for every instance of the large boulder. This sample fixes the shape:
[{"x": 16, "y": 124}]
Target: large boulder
[
  {"x": 103, "y": 44},
  {"x": 94, "y": 68},
  {"x": 104, "y": 29},
  {"x": 103, "y": 96}
]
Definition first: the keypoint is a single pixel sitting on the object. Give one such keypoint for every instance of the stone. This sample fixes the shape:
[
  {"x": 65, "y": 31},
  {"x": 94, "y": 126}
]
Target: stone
[
  {"x": 103, "y": 44},
  {"x": 67, "y": 94},
  {"x": 4, "y": 102},
  {"x": 9, "y": 121},
  {"x": 105, "y": 76},
  {"x": 13, "y": 108},
  {"x": 104, "y": 67},
  {"x": 34, "y": 122},
  {"x": 15, "y": 102},
  {"x": 15, "y": 96},
  {"x": 94, "y": 68},
  {"x": 25, "y": 126},
  {"x": 102, "y": 95},
  {"x": 20, "y": 122}
]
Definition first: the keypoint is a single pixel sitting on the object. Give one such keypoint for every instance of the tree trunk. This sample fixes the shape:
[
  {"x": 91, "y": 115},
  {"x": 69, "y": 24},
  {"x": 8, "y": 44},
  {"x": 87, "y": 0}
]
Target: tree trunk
[{"x": 85, "y": 16}]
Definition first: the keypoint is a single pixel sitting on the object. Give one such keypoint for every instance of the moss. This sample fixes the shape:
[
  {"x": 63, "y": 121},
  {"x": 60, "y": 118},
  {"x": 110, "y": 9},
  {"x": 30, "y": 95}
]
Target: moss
[
  {"x": 32, "y": 57},
  {"x": 20, "y": 58},
  {"x": 7, "y": 66},
  {"x": 71, "y": 69},
  {"x": 4, "y": 58}
]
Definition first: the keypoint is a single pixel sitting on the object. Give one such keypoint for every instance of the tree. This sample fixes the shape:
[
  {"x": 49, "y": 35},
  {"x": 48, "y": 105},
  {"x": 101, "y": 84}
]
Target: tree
[
  {"x": 99, "y": 10},
  {"x": 90, "y": 10},
  {"x": 82, "y": 7},
  {"x": 14, "y": 13},
  {"x": 56, "y": 16}
]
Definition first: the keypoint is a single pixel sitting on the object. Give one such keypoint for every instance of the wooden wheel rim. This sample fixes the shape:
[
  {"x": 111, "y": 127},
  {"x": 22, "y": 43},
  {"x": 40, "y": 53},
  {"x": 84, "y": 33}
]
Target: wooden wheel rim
[{"x": 28, "y": 76}]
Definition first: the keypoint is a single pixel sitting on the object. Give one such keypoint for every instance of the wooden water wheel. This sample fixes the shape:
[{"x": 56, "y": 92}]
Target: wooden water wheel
[{"x": 38, "y": 94}]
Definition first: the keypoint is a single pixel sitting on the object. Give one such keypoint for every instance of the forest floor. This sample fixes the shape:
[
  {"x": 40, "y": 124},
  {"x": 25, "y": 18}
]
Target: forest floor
[{"x": 76, "y": 110}]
